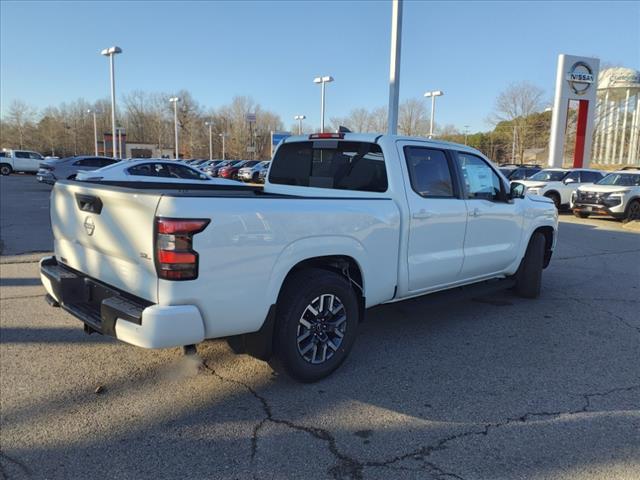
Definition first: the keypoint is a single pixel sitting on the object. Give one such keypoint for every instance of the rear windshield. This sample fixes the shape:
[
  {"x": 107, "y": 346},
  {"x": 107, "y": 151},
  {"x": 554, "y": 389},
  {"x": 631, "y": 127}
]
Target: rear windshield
[{"x": 330, "y": 164}]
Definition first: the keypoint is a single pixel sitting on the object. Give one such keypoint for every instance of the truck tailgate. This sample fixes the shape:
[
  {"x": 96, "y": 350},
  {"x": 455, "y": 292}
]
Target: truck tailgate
[{"x": 107, "y": 233}]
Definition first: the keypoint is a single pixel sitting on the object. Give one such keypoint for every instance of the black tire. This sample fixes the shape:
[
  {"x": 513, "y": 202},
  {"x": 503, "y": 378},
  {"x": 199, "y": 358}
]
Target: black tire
[
  {"x": 303, "y": 290},
  {"x": 529, "y": 274},
  {"x": 71, "y": 177},
  {"x": 555, "y": 197},
  {"x": 580, "y": 214},
  {"x": 633, "y": 211},
  {"x": 254, "y": 177},
  {"x": 5, "y": 169}
]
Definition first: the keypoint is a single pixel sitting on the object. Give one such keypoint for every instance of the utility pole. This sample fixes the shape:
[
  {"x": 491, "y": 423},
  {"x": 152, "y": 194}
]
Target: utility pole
[{"x": 513, "y": 146}]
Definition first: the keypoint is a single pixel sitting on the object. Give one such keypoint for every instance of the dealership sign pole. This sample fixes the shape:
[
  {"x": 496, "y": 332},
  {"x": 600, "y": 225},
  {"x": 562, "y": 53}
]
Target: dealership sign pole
[{"x": 576, "y": 80}]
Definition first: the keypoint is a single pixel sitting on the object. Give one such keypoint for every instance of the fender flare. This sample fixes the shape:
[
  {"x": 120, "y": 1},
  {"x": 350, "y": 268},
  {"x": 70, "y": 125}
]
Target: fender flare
[{"x": 313, "y": 247}]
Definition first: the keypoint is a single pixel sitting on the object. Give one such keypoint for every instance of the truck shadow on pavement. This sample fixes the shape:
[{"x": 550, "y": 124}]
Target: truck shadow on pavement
[{"x": 491, "y": 387}]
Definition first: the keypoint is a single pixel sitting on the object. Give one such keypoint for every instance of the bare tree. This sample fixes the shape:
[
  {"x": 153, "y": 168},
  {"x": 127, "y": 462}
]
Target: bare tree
[
  {"x": 515, "y": 105},
  {"x": 20, "y": 116},
  {"x": 412, "y": 118}
]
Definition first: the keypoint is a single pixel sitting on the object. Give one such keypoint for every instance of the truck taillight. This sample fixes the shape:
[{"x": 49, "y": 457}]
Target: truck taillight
[{"x": 175, "y": 257}]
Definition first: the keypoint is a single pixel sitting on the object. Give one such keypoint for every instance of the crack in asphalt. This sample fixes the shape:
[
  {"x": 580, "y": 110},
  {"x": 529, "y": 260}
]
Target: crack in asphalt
[
  {"x": 10, "y": 459},
  {"x": 348, "y": 467},
  {"x": 620, "y": 318}
]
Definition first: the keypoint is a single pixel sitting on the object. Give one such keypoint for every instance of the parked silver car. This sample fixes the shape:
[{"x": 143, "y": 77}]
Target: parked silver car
[
  {"x": 252, "y": 173},
  {"x": 68, "y": 168}
]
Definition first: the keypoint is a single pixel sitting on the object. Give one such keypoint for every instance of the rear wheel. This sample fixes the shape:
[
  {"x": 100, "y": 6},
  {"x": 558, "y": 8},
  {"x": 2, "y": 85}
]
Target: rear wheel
[
  {"x": 71, "y": 177},
  {"x": 5, "y": 169},
  {"x": 529, "y": 274},
  {"x": 316, "y": 324},
  {"x": 633, "y": 210}
]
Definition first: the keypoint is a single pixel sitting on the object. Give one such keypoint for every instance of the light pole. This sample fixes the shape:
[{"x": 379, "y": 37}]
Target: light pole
[
  {"x": 120, "y": 132},
  {"x": 394, "y": 66},
  {"x": 95, "y": 129},
  {"x": 223, "y": 135},
  {"x": 175, "y": 101},
  {"x": 466, "y": 132},
  {"x": 111, "y": 52},
  {"x": 433, "y": 94},
  {"x": 210, "y": 124},
  {"x": 322, "y": 81},
  {"x": 299, "y": 118}
]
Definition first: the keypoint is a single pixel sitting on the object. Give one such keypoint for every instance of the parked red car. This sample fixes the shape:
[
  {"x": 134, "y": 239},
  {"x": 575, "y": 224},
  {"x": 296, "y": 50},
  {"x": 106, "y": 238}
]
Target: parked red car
[{"x": 231, "y": 171}]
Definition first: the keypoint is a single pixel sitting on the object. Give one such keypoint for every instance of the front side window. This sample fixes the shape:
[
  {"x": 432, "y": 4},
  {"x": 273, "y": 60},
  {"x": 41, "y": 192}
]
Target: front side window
[
  {"x": 481, "y": 182},
  {"x": 575, "y": 176},
  {"x": 334, "y": 164},
  {"x": 518, "y": 174},
  {"x": 429, "y": 172},
  {"x": 35, "y": 156}
]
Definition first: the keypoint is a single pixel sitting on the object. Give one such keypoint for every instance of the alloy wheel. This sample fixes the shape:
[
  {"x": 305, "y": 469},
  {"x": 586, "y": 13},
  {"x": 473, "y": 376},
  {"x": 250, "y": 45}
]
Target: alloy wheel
[{"x": 321, "y": 328}]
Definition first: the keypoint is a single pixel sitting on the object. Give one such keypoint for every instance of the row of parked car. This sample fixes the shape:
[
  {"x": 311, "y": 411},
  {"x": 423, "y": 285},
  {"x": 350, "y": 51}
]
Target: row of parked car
[
  {"x": 584, "y": 191},
  {"x": 252, "y": 171}
]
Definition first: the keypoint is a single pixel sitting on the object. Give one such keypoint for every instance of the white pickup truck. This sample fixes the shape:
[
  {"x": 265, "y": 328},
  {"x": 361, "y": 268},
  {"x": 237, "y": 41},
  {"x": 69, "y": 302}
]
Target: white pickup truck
[
  {"x": 345, "y": 222},
  {"x": 19, "y": 161}
]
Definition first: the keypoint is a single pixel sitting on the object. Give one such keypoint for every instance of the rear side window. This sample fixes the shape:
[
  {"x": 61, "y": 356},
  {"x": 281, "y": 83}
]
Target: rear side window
[
  {"x": 429, "y": 172},
  {"x": 21, "y": 154},
  {"x": 330, "y": 164}
]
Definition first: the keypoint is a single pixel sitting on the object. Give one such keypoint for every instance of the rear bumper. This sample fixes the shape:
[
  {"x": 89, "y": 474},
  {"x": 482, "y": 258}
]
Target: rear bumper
[{"x": 109, "y": 311}]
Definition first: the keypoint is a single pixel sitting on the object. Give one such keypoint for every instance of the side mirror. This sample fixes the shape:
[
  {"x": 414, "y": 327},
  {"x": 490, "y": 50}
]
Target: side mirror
[
  {"x": 569, "y": 180},
  {"x": 517, "y": 190}
]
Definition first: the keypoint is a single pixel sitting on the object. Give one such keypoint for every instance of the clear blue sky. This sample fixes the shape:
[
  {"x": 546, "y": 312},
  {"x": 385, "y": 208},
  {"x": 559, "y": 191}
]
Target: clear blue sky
[{"x": 49, "y": 51}]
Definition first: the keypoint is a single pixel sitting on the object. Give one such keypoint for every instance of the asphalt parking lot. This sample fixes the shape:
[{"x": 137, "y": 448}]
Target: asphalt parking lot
[{"x": 495, "y": 387}]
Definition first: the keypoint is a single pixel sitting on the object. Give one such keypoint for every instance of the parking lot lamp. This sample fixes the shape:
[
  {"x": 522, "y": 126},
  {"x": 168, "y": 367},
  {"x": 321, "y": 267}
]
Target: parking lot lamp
[
  {"x": 210, "y": 124},
  {"x": 223, "y": 136},
  {"x": 299, "y": 118},
  {"x": 322, "y": 81},
  {"x": 433, "y": 94},
  {"x": 111, "y": 52},
  {"x": 95, "y": 129},
  {"x": 175, "y": 101}
]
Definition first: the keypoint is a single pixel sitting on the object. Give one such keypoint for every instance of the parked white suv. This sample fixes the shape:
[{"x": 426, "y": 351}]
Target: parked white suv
[
  {"x": 616, "y": 195},
  {"x": 345, "y": 222},
  {"x": 559, "y": 183},
  {"x": 19, "y": 161}
]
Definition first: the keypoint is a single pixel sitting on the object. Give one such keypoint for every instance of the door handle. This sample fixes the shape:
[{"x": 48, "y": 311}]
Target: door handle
[
  {"x": 421, "y": 214},
  {"x": 475, "y": 212}
]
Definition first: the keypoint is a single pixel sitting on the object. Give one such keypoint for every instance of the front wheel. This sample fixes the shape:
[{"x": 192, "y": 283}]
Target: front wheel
[
  {"x": 580, "y": 214},
  {"x": 555, "y": 197},
  {"x": 529, "y": 274},
  {"x": 5, "y": 169},
  {"x": 316, "y": 325},
  {"x": 633, "y": 210}
]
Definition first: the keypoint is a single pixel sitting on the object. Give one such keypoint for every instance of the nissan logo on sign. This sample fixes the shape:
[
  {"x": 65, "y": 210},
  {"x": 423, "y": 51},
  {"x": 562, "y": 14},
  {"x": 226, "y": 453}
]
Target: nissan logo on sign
[
  {"x": 580, "y": 77},
  {"x": 89, "y": 226}
]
